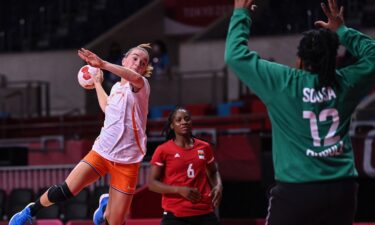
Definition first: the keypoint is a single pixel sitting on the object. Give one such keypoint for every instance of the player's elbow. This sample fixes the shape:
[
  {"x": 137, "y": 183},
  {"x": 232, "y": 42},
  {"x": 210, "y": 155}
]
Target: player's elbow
[
  {"x": 229, "y": 59},
  {"x": 137, "y": 83},
  {"x": 151, "y": 185}
]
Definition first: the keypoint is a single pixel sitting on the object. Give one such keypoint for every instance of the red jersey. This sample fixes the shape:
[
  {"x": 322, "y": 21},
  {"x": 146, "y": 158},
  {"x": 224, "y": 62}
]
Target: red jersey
[{"x": 185, "y": 167}]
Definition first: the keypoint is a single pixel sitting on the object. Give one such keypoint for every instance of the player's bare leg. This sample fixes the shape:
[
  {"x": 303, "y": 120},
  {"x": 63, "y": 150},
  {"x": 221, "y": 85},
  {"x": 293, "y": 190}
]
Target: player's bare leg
[{"x": 118, "y": 207}]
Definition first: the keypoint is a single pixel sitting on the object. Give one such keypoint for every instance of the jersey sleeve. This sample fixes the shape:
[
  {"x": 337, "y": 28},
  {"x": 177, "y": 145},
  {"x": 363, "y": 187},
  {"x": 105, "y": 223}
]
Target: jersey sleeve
[
  {"x": 261, "y": 76},
  {"x": 145, "y": 90},
  {"x": 363, "y": 48},
  {"x": 146, "y": 86},
  {"x": 113, "y": 89},
  {"x": 158, "y": 158}
]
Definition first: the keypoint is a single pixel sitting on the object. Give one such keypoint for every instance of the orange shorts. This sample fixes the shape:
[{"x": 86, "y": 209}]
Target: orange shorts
[{"x": 123, "y": 176}]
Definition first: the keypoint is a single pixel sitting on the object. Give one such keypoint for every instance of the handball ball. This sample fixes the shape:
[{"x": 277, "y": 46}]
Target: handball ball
[{"x": 86, "y": 74}]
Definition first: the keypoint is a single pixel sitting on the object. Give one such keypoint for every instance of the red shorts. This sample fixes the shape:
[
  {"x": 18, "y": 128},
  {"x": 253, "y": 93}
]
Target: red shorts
[{"x": 123, "y": 176}]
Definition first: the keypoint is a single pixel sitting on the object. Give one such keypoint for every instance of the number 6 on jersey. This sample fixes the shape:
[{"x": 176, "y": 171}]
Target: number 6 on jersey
[{"x": 190, "y": 171}]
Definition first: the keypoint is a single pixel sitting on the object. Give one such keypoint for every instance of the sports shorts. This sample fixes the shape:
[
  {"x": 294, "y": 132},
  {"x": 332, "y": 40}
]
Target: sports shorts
[
  {"x": 124, "y": 177},
  {"x": 324, "y": 203}
]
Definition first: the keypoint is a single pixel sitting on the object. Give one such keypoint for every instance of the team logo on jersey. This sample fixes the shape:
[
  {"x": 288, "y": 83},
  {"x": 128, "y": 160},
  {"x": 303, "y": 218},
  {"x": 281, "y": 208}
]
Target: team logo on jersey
[
  {"x": 200, "y": 154},
  {"x": 177, "y": 155}
]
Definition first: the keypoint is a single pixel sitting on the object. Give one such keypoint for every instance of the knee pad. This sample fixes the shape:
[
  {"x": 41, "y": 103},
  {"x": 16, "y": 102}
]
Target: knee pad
[{"x": 59, "y": 193}]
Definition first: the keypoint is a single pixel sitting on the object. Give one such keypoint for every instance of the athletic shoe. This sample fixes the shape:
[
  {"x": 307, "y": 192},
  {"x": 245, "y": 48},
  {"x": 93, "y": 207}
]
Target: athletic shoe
[
  {"x": 98, "y": 217},
  {"x": 23, "y": 217}
]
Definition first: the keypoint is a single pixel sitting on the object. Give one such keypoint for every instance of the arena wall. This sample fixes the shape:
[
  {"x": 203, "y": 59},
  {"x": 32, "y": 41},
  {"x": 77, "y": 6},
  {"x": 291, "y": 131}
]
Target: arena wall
[{"x": 59, "y": 68}]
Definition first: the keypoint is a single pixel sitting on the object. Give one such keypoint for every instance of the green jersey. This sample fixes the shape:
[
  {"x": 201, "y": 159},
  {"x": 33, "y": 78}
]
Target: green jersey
[{"x": 310, "y": 125}]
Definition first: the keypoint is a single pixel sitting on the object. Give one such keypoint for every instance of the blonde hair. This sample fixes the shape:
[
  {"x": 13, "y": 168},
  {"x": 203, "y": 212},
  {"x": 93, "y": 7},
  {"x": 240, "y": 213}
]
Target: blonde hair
[{"x": 143, "y": 47}]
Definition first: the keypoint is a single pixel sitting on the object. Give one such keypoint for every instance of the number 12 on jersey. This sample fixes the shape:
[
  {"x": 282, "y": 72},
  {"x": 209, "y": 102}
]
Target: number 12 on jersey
[{"x": 331, "y": 137}]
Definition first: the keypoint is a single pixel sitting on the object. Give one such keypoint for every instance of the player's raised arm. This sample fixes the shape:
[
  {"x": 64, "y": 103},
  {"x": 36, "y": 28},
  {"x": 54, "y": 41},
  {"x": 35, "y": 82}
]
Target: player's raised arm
[{"x": 334, "y": 14}]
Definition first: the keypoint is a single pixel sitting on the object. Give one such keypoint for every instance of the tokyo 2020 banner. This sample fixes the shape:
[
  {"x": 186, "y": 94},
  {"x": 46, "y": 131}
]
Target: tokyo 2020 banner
[{"x": 189, "y": 16}]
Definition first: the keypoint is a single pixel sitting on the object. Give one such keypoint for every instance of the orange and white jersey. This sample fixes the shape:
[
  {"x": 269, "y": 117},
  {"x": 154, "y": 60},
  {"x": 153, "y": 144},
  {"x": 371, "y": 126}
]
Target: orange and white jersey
[{"x": 123, "y": 137}]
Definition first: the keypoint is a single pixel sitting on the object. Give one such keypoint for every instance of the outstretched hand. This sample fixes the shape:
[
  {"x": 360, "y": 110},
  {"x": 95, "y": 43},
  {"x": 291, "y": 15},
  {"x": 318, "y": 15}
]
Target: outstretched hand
[
  {"x": 334, "y": 15},
  {"x": 90, "y": 58},
  {"x": 248, "y": 4}
]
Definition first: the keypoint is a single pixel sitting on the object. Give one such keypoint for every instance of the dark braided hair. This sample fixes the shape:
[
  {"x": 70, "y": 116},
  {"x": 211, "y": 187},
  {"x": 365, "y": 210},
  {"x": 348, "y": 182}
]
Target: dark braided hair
[
  {"x": 318, "y": 50},
  {"x": 167, "y": 131}
]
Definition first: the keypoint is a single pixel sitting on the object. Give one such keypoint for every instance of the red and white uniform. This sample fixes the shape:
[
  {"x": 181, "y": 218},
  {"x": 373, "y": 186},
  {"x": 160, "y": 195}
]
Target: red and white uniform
[
  {"x": 185, "y": 167},
  {"x": 123, "y": 137}
]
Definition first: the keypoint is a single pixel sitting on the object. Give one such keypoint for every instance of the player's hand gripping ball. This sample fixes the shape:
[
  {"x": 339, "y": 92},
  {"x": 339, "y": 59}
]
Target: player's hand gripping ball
[{"x": 87, "y": 74}]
